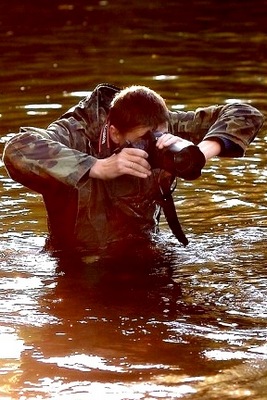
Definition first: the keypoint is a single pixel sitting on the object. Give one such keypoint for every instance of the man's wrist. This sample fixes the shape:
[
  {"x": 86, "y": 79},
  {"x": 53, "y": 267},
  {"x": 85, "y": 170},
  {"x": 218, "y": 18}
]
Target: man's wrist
[{"x": 210, "y": 148}]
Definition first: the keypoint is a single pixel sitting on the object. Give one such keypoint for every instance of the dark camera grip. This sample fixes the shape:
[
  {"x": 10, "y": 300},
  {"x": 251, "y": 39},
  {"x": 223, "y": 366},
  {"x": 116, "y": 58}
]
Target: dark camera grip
[{"x": 189, "y": 163}]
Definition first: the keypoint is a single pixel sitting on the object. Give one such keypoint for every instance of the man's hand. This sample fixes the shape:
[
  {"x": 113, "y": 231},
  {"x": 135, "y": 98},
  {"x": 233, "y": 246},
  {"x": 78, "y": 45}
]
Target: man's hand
[
  {"x": 210, "y": 148},
  {"x": 129, "y": 161},
  {"x": 168, "y": 140},
  {"x": 189, "y": 159}
]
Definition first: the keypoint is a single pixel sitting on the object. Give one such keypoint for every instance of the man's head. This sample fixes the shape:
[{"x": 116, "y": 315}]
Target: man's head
[{"x": 136, "y": 109}]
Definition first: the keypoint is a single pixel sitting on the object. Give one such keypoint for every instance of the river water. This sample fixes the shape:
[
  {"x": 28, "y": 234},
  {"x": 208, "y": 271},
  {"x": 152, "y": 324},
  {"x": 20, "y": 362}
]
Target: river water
[{"x": 197, "y": 328}]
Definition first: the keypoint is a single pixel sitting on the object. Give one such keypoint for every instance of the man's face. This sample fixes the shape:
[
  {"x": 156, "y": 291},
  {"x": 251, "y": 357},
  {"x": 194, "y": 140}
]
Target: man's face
[{"x": 137, "y": 133}]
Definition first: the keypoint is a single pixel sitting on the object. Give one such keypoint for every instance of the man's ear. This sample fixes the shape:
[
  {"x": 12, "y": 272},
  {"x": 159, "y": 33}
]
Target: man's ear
[{"x": 114, "y": 134}]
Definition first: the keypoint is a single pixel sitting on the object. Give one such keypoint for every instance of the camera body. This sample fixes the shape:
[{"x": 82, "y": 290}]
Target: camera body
[{"x": 184, "y": 162}]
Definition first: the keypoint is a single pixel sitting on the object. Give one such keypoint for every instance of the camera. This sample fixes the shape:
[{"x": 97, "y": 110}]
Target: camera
[{"x": 183, "y": 162}]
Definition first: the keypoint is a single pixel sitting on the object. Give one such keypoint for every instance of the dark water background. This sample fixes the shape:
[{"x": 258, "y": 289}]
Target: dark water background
[{"x": 204, "y": 337}]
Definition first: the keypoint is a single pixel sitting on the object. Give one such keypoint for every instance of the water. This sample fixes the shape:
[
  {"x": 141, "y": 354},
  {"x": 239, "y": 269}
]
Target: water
[{"x": 200, "y": 334}]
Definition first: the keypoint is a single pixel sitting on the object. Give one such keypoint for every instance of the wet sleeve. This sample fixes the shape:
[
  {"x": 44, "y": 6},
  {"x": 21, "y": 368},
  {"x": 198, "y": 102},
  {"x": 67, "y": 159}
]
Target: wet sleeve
[
  {"x": 41, "y": 159},
  {"x": 233, "y": 125}
]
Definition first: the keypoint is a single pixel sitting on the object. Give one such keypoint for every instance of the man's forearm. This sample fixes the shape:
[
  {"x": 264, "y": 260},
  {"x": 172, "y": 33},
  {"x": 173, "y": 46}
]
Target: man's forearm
[{"x": 210, "y": 148}]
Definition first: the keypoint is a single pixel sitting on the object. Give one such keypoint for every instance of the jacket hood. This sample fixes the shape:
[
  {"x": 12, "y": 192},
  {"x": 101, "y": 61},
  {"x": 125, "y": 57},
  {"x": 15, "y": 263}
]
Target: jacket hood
[{"x": 92, "y": 111}]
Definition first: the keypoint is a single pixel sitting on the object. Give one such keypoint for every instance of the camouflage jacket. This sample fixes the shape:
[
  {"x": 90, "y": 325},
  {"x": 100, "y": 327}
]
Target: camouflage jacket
[{"x": 86, "y": 214}]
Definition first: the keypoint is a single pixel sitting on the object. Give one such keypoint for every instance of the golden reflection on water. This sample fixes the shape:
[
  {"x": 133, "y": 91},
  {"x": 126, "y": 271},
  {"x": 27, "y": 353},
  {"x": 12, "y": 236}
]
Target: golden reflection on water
[{"x": 60, "y": 339}]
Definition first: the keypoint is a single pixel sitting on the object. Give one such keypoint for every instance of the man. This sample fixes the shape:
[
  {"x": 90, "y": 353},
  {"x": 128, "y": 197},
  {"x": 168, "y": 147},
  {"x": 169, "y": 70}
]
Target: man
[{"x": 94, "y": 167}]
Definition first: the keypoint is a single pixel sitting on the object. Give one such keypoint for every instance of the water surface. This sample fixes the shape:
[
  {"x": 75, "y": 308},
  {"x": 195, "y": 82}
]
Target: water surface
[{"x": 195, "y": 326}]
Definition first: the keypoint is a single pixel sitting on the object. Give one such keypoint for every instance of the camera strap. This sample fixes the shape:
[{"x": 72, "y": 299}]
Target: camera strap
[
  {"x": 169, "y": 210},
  {"x": 104, "y": 147}
]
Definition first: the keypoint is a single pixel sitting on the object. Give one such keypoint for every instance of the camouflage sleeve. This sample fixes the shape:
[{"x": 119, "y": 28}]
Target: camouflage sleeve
[
  {"x": 237, "y": 124},
  {"x": 41, "y": 159}
]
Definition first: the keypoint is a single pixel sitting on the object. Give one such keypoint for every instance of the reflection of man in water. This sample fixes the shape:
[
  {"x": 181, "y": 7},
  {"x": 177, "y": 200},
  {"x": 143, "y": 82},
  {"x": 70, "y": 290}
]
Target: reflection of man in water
[{"x": 94, "y": 167}]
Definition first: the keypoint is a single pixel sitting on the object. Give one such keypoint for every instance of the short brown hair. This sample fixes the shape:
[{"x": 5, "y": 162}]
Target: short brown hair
[{"x": 137, "y": 106}]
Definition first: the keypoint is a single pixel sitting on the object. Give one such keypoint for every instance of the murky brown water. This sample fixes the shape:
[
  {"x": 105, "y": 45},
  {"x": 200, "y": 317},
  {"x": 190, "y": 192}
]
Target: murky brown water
[{"x": 206, "y": 336}]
